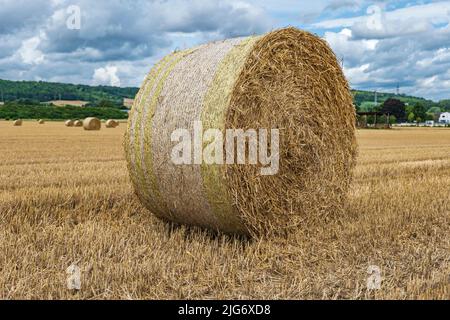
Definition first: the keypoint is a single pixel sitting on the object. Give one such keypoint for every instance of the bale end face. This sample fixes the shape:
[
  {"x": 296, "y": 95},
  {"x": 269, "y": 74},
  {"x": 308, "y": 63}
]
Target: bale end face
[{"x": 17, "y": 123}]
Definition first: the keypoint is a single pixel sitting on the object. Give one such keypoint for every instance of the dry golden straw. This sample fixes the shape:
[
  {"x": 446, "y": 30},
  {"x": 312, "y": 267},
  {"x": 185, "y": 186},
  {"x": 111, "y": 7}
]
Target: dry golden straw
[
  {"x": 92, "y": 124},
  {"x": 78, "y": 123},
  {"x": 69, "y": 123},
  {"x": 17, "y": 123},
  {"x": 111, "y": 123},
  {"x": 288, "y": 80}
]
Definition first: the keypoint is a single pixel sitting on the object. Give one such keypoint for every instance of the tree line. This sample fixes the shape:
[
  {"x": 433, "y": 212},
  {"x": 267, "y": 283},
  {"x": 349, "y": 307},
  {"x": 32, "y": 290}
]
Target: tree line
[
  {"x": 401, "y": 112},
  {"x": 364, "y": 100},
  {"x": 13, "y": 111}
]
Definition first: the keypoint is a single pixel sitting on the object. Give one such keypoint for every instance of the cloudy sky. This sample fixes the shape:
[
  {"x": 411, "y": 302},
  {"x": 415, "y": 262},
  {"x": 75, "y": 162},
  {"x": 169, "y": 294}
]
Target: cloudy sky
[{"x": 115, "y": 42}]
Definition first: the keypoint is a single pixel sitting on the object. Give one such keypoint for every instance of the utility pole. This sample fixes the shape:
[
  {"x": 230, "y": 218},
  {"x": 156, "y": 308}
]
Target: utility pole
[
  {"x": 376, "y": 98},
  {"x": 398, "y": 88}
]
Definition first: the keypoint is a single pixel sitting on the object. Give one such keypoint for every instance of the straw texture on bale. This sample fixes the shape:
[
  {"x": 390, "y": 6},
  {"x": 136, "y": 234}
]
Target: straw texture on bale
[
  {"x": 41, "y": 121},
  {"x": 111, "y": 123},
  {"x": 78, "y": 123},
  {"x": 17, "y": 123},
  {"x": 288, "y": 80},
  {"x": 69, "y": 123},
  {"x": 92, "y": 124}
]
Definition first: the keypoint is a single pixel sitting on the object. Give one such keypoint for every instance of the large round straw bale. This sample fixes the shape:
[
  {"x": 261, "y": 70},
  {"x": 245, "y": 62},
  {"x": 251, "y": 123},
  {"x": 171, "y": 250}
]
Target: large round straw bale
[
  {"x": 92, "y": 124},
  {"x": 78, "y": 123},
  {"x": 288, "y": 80},
  {"x": 111, "y": 123},
  {"x": 40, "y": 121},
  {"x": 69, "y": 123},
  {"x": 17, "y": 123}
]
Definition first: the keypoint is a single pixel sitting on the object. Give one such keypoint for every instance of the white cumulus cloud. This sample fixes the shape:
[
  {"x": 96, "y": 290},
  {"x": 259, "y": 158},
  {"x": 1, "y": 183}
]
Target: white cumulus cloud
[
  {"x": 106, "y": 76},
  {"x": 29, "y": 51}
]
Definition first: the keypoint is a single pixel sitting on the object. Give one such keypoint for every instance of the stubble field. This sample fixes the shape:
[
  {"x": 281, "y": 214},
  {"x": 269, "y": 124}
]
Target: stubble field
[{"x": 65, "y": 198}]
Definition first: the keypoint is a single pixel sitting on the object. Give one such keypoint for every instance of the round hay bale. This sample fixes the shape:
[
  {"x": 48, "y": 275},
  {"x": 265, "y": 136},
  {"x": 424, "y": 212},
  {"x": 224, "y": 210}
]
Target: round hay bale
[
  {"x": 69, "y": 123},
  {"x": 78, "y": 123},
  {"x": 287, "y": 80},
  {"x": 40, "y": 121},
  {"x": 111, "y": 123},
  {"x": 17, "y": 123},
  {"x": 92, "y": 124}
]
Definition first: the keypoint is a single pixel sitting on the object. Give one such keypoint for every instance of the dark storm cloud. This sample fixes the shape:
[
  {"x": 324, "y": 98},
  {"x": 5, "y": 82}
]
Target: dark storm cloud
[
  {"x": 23, "y": 14},
  {"x": 136, "y": 29},
  {"x": 224, "y": 18},
  {"x": 36, "y": 42},
  {"x": 340, "y": 4}
]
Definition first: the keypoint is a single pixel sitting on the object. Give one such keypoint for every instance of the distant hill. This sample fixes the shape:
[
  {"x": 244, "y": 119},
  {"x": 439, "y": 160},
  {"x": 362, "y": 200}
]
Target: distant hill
[
  {"x": 365, "y": 99},
  {"x": 39, "y": 91}
]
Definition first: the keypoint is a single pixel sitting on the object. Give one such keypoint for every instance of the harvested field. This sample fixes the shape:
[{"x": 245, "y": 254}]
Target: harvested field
[{"x": 65, "y": 197}]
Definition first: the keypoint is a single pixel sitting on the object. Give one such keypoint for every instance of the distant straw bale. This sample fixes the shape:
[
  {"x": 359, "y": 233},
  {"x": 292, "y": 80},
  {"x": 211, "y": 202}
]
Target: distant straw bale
[
  {"x": 92, "y": 123},
  {"x": 69, "y": 123},
  {"x": 111, "y": 123}
]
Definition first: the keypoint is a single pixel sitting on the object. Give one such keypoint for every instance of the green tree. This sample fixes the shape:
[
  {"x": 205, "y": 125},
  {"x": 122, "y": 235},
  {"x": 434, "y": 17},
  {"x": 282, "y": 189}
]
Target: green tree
[
  {"x": 392, "y": 119},
  {"x": 411, "y": 117},
  {"x": 106, "y": 104},
  {"x": 409, "y": 109},
  {"x": 434, "y": 110},
  {"x": 367, "y": 106},
  {"x": 420, "y": 111},
  {"x": 445, "y": 104}
]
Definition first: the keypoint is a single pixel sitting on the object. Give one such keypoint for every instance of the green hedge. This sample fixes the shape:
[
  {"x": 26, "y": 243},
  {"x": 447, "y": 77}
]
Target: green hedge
[{"x": 14, "y": 111}]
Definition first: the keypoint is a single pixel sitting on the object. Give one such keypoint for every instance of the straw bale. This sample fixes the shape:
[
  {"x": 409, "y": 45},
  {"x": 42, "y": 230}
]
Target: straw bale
[
  {"x": 288, "y": 80},
  {"x": 92, "y": 124}
]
